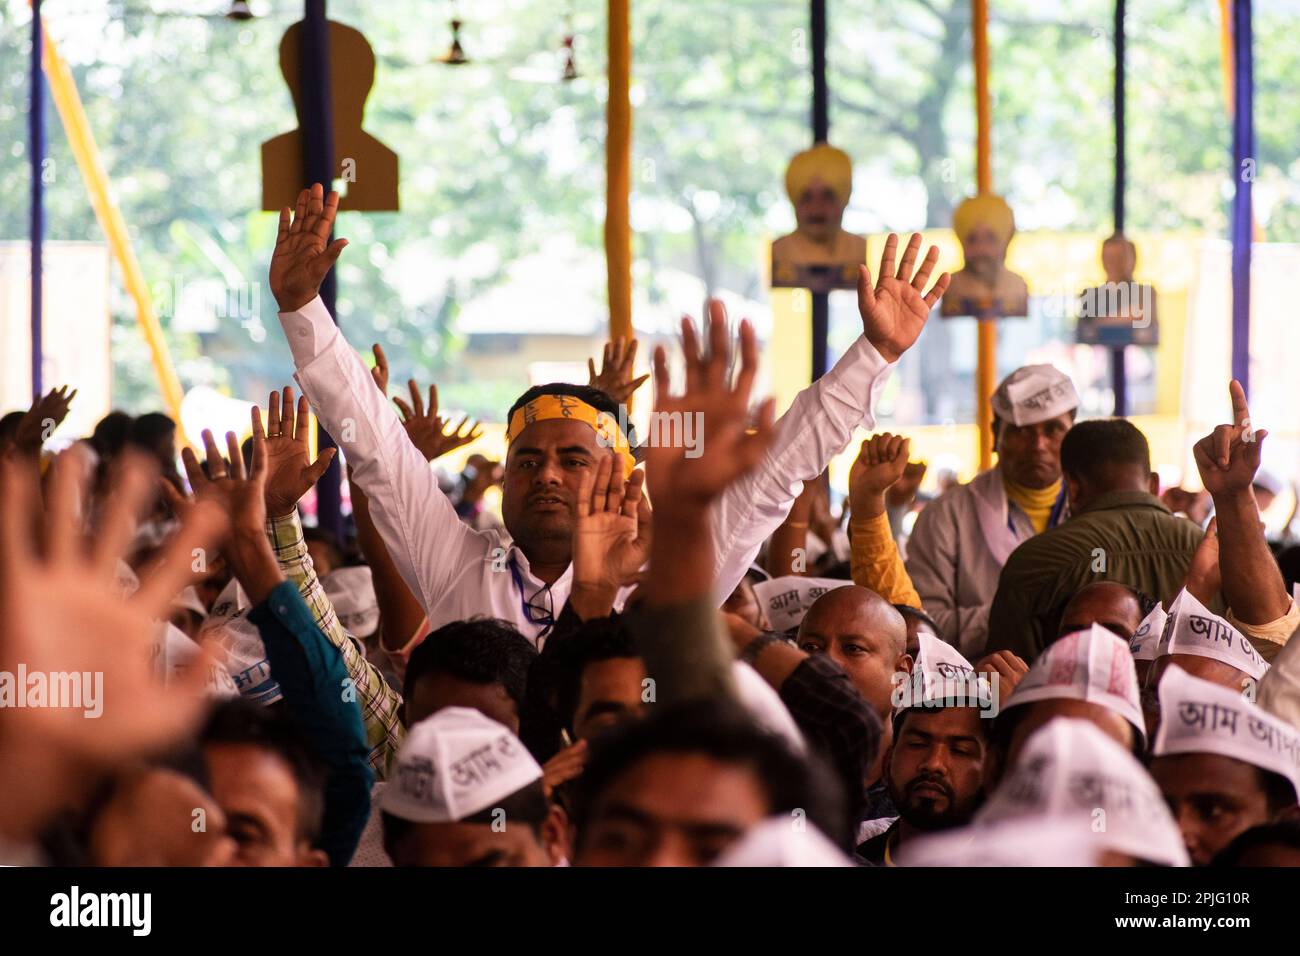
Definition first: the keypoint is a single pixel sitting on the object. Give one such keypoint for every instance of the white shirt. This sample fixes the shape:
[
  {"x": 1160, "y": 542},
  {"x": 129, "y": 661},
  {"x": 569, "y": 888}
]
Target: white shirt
[{"x": 457, "y": 572}]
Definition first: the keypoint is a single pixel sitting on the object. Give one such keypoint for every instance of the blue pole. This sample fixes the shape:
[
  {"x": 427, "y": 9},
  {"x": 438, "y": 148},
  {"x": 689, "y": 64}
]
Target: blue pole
[
  {"x": 318, "y": 167},
  {"x": 36, "y": 124},
  {"x": 1243, "y": 163},
  {"x": 1118, "y": 370}
]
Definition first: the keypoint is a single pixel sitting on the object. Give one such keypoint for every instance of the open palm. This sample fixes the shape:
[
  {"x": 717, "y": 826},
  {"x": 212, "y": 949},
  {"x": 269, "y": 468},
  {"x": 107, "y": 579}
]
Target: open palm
[
  {"x": 894, "y": 310},
  {"x": 611, "y": 534},
  {"x": 290, "y": 472},
  {"x": 303, "y": 253}
]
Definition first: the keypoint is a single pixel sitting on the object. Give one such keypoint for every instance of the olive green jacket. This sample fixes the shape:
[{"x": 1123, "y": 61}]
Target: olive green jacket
[{"x": 1125, "y": 536}]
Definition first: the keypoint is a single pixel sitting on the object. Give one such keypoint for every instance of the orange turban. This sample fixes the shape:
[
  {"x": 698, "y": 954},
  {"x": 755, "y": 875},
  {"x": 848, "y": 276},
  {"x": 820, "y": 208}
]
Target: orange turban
[
  {"x": 991, "y": 211},
  {"x": 832, "y": 166}
]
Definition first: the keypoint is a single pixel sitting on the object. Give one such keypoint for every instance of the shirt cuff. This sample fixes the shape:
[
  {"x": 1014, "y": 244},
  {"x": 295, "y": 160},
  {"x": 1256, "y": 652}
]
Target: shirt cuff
[
  {"x": 310, "y": 330},
  {"x": 1271, "y": 637}
]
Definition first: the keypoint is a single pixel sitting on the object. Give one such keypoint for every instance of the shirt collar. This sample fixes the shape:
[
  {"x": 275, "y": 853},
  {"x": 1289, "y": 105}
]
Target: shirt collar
[{"x": 1116, "y": 500}]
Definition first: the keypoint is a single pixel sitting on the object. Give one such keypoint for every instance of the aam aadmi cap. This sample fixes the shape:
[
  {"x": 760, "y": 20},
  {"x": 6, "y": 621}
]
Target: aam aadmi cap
[
  {"x": 1146, "y": 639},
  {"x": 1070, "y": 770},
  {"x": 1197, "y": 716},
  {"x": 1094, "y": 665},
  {"x": 455, "y": 764},
  {"x": 352, "y": 592},
  {"x": 1034, "y": 394},
  {"x": 1192, "y": 629}
]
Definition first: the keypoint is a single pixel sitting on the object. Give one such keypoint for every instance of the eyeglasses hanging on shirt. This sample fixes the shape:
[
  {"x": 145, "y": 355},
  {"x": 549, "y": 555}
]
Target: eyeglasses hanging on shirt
[{"x": 539, "y": 608}]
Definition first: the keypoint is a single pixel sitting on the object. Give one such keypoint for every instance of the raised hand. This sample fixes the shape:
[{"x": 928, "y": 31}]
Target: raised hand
[
  {"x": 290, "y": 472},
  {"x": 713, "y": 412},
  {"x": 1204, "y": 579},
  {"x": 60, "y": 612},
  {"x": 241, "y": 497},
  {"x": 616, "y": 367},
  {"x": 303, "y": 253},
  {"x": 881, "y": 462},
  {"x": 429, "y": 432},
  {"x": 894, "y": 310},
  {"x": 1229, "y": 456},
  {"x": 39, "y": 422},
  {"x": 611, "y": 534}
]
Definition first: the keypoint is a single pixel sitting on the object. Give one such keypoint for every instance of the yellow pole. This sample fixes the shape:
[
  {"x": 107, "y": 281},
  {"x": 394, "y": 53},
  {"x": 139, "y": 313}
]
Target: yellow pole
[
  {"x": 618, "y": 171},
  {"x": 63, "y": 91},
  {"x": 986, "y": 366}
]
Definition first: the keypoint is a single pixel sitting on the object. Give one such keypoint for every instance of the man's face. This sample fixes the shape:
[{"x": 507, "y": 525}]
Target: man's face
[
  {"x": 1041, "y": 711},
  {"x": 1213, "y": 798},
  {"x": 543, "y": 472},
  {"x": 743, "y": 603},
  {"x": 609, "y": 692},
  {"x": 151, "y": 820},
  {"x": 935, "y": 770},
  {"x": 862, "y": 640},
  {"x": 672, "y": 809},
  {"x": 469, "y": 844},
  {"x": 818, "y": 213},
  {"x": 1030, "y": 455},
  {"x": 260, "y": 797},
  {"x": 1113, "y": 606},
  {"x": 1119, "y": 259},
  {"x": 322, "y": 557},
  {"x": 984, "y": 252},
  {"x": 436, "y": 690}
]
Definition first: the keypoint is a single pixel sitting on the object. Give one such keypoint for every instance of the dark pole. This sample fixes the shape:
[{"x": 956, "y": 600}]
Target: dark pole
[
  {"x": 1118, "y": 372},
  {"x": 318, "y": 167},
  {"x": 1243, "y": 159},
  {"x": 821, "y": 124},
  {"x": 36, "y": 123}
]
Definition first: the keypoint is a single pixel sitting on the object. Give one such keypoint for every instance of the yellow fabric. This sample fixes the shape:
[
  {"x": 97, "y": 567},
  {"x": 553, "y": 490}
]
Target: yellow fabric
[
  {"x": 832, "y": 166},
  {"x": 575, "y": 409},
  {"x": 874, "y": 562},
  {"x": 991, "y": 211},
  {"x": 1269, "y": 638},
  {"x": 1036, "y": 503}
]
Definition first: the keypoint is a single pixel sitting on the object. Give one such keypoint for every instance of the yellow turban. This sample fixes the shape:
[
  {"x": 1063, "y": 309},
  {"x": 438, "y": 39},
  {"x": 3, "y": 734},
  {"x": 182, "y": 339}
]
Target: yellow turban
[
  {"x": 832, "y": 166},
  {"x": 991, "y": 211}
]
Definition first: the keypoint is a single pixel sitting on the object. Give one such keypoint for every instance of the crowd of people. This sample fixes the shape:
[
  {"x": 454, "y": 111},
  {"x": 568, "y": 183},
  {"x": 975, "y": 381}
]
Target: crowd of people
[{"x": 656, "y": 655}]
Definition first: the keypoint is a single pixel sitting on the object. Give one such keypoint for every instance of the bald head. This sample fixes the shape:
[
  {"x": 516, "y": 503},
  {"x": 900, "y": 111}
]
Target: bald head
[
  {"x": 854, "y": 608},
  {"x": 1115, "y": 607},
  {"x": 862, "y": 633}
]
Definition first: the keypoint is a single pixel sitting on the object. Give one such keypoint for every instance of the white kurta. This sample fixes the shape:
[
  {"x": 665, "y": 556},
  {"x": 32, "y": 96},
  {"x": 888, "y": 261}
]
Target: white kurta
[{"x": 457, "y": 572}]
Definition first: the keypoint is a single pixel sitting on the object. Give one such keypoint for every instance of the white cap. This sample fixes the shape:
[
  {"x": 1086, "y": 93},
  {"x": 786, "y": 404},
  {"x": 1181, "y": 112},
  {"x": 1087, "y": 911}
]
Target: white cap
[
  {"x": 239, "y": 643},
  {"x": 1093, "y": 665},
  {"x": 1197, "y": 716},
  {"x": 765, "y": 705},
  {"x": 1034, "y": 394},
  {"x": 787, "y": 599},
  {"x": 1146, "y": 639},
  {"x": 189, "y": 599},
  {"x": 1268, "y": 481},
  {"x": 455, "y": 764},
  {"x": 783, "y": 841},
  {"x": 175, "y": 654},
  {"x": 1192, "y": 629},
  {"x": 941, "y": 674},
  {"x": 1035, "y": 841},
  {"x": 352, "y": 592},
  {"x": 1071, "y": 771}
]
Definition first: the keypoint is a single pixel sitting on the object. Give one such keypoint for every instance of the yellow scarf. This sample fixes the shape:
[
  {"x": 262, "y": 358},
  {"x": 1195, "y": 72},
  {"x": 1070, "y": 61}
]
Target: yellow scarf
[
  {"x": 605, "y": 426},
  {"x": 1036, "y": 503}
]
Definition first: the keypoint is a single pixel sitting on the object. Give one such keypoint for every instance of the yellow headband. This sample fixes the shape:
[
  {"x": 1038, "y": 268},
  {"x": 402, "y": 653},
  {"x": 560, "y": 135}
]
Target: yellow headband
[{"x": 575, "y": 409}]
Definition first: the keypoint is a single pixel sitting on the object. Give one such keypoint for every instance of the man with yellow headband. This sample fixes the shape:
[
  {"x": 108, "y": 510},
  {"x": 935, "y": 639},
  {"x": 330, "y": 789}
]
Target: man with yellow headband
[{"x": 558, "y": 433}]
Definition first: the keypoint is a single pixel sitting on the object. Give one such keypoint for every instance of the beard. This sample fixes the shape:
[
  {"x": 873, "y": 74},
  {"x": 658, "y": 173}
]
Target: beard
[{"x": 928, "y": 811}]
